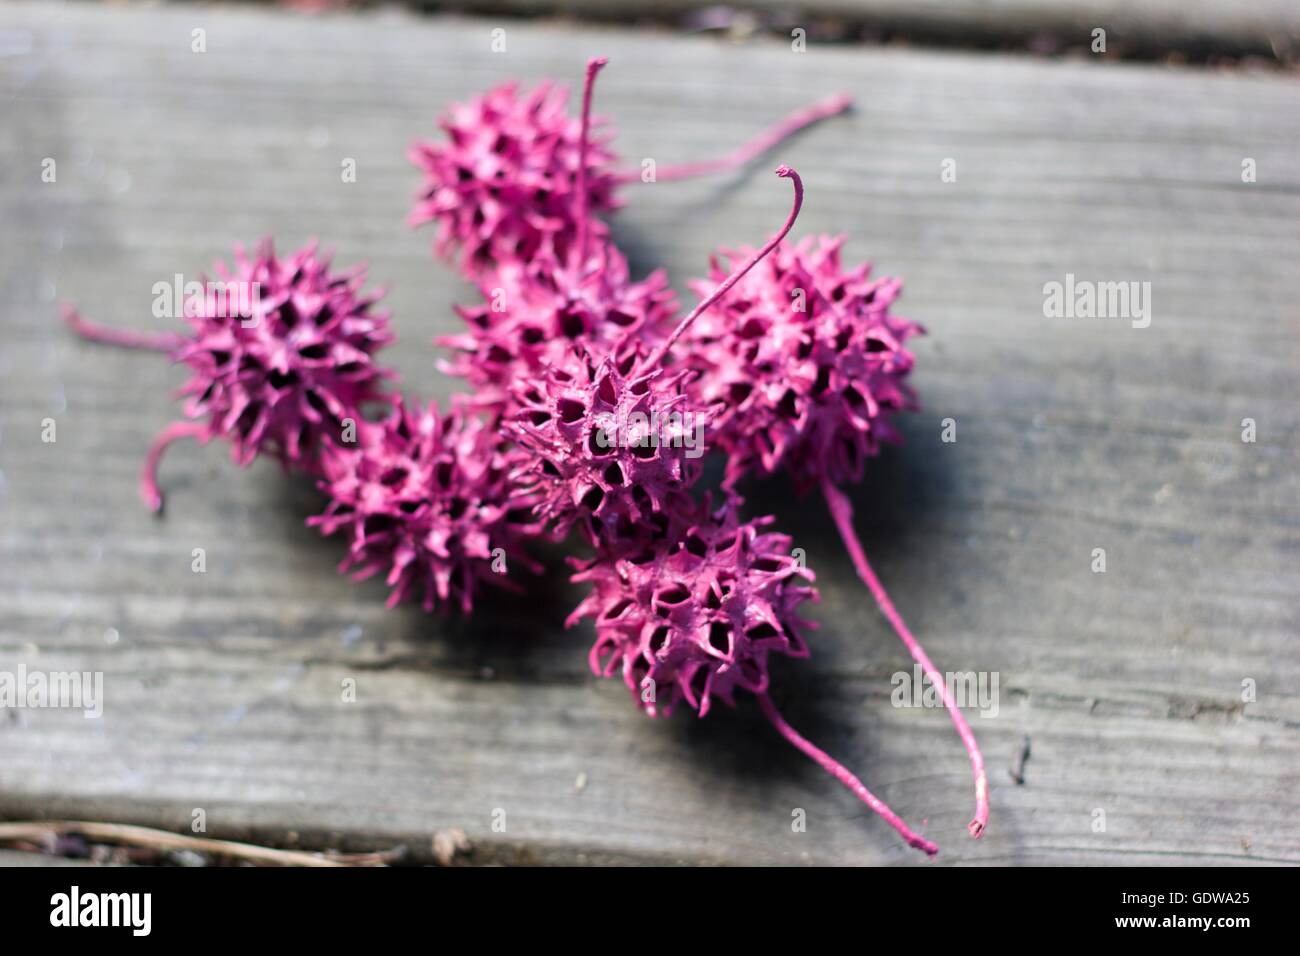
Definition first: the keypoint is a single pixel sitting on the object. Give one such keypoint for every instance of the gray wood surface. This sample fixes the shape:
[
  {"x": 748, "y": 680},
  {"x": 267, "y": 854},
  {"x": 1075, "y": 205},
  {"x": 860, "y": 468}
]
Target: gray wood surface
[
  {"x": 1261, "y": 27},
  {"x": 223, "y": 689}
]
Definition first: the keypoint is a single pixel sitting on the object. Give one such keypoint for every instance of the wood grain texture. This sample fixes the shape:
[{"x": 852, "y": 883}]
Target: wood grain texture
[
  {"x": 223, "y": 689},
  {"x": 1264, "y": 27}
]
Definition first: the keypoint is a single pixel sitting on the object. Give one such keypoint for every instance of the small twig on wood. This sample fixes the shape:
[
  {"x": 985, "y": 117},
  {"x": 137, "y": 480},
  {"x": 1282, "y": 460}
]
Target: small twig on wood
[
  {"x": 1017, "y": 768},
  {"x": 45, "y": 833}
]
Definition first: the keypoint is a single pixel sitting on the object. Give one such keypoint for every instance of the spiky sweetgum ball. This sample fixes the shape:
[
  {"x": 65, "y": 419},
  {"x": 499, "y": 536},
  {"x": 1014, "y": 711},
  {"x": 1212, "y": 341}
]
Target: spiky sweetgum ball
[
  {"x": 427, "y": 499},
  {"x": 501, "y": 186},
  {"x": 534, "y": 312},
  {"x": 283, "y": 354},
  {"x": 696, "y": 618},
  {"x": 803, "y": 362},
  {"x": 612, "y": 449}
]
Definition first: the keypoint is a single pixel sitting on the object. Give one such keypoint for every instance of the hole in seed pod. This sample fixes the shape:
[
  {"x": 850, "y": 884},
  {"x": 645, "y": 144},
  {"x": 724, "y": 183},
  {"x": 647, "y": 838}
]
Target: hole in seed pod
[
  {"x": 593, "y": 498},
  {"x": 463, "y": 175},
  {"x": 645, "y": 448},
  {"x": 641, "y": 498},
  {"x": 712, "y": 599},
  {"x": 249, "y": 363},
  {"x": 640, "y": 671},
  {"x": 315, "y": 401},
  {"x": 739, "y": 391},
  {"x": 853, "y": 397},
  {"x": 842, "y": 339},
  {"x": 837, "y": 294},
  {"x": 805, "y": 348},
  {"x": 207, "y": 393},
  {"x": 497, "y": 355},
  {"x": 787, "y": 406},
  {"x": 247, "y": 419},
  {"x": 219, "y": 357},
  {"x": 642, "y": 557},
  {"x": 349, "y": 368},
  {"x": 673, "y": 595},
  {"x": 875, "y": 344},
  {"x": 378, "y": 524},
  {"x": 340, "y": 510},
  {"x": 393, "y": 477},
  {"x": 571, "y": 410},
  {"x": 639, "y": 387},
  {"x": 762, "y": 632},
  {"x": 658, "y": 523},
  {"x": 823, "y": 381},
  {"x": 410, "y": 507},
  {"x": 549, "y": 469},
  {"x": 281, "y": 380},
  {"x": 572, "y": 324},
  {"x": 442, "y": 473},
  {"x": 753, "y": 329},
  {"x": 538, "y": 417},
  {"x": 618, "y": 609},
  {"x": 626, "y": 363},
  {"x": 288, "y": 313},
  {"x": 720, "y": 637},
  {"x": 317, "y": 351},
  {"x": 456, "y": 510},
  {"x": 519, "y": 515},
  {"x": 607, "y": 390},
  {"x": 696, "y": 545},
  {"x": 658, "y": 640},
  {"x": 699, "y": 684},
  {"x": 767, "y": 565},
  {"x": 532, "y": 335},
  {"x": 598, "y": 444},
  {"x": 324, "y": 314},
  {"x": 614, "y": 475},
  {"x": 621, "y": 318}
]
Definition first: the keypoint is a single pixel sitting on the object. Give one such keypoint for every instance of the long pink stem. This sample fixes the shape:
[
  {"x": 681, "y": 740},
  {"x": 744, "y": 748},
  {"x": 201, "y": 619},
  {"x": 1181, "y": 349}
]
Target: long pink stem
[
  {"x": 799, "y": 119},
  {"x": 149, "y": 490},
  {"x": 594, "y": 66},
  {"x": 786, "y": 173},
  {"x": 842, "y": 774},
  {"x": 842, "y": 513},
  {"x": 158, "y": 341}
]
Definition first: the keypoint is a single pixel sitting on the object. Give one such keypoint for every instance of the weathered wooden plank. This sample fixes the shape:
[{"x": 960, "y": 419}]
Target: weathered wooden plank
[
  {"x": 223, "y": 689},
  {"x": 1263, "y": 27}
]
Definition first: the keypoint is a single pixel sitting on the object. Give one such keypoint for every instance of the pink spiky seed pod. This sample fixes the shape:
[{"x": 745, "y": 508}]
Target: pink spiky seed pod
[
  {"x": 804, "y": 365},
  {"x": 278, "y": 373},
  {"x": 427, "y": 499},
  {"x": 532, "y": 317},
  {"x": 536, "y": 311},
  {"x": 610, "y": 450},
  {"x": 696, "y": 618},
  {"x": 615, "y": 438},
  {"x": 501, "y": 187}
]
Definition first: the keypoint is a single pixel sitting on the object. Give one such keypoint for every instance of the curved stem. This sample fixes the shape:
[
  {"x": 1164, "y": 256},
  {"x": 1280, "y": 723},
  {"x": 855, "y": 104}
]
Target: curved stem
[
  {"x": 799, "y": 119},
  {"x": 149, "y": 490},
  {"x": 842, "y": 774},
  {"x": 786, "y": 173},
  {"x": 157, "y": 341},
  {"x": 594, "y": 66},
  {"x": 842, "y": 513}
]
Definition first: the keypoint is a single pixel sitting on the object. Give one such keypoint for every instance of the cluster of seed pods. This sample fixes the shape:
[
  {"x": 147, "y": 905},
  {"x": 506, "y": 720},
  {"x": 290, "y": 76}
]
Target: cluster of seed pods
[{"x": 589, "y": 397}]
